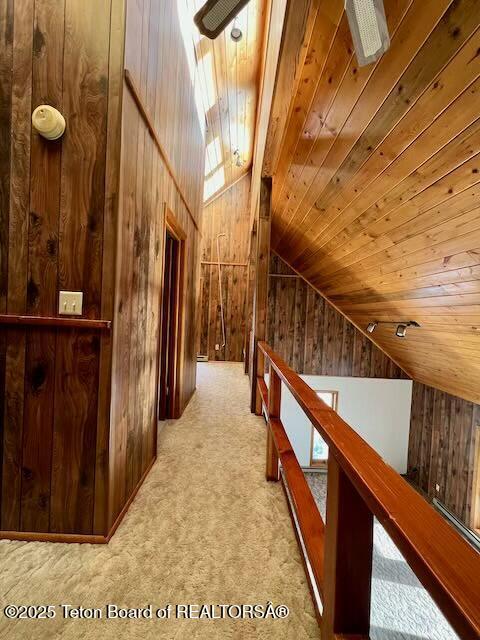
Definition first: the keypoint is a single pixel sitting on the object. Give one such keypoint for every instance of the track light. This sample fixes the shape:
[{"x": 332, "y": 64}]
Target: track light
[
  {"x": 215, "y": 15},
  {"x": 369, "y": 29},
  {"x": 401, "y": 331}
]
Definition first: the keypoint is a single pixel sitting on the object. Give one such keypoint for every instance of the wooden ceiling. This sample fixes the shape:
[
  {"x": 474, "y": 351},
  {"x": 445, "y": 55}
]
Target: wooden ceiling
[
  {"x": 377, "y": 183},
  {"x": 229, "y": 78}
]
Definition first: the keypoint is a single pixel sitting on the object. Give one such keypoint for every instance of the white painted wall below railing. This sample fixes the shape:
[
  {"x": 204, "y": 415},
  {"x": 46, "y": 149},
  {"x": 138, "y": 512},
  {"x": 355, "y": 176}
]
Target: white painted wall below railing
[{"x": 378, "y": 409}]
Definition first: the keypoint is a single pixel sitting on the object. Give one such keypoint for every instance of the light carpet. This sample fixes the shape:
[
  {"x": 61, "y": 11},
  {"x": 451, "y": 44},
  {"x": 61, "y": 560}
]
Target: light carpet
[
  {"x": 401, "y": 608},
  {"x": 205, "y": 528}
]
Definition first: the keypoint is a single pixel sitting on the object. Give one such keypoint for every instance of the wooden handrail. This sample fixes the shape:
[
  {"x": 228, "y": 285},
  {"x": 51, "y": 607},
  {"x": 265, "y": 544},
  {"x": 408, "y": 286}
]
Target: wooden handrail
[{"x": 447, "y": 566}]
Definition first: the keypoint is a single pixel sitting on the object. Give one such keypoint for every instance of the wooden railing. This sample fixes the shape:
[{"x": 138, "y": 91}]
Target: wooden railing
[{"x": 338, "y": 556}]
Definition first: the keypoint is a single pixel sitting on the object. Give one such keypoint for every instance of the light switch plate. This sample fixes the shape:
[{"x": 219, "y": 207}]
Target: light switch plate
[{"x": 70, "y": 303}]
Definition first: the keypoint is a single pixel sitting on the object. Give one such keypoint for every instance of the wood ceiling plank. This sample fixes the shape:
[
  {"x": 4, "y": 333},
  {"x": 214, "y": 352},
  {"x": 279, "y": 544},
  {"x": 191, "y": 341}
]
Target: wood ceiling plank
[
  {"x": 339, "y": 88},
  {"x": 465, "y": 242},
  {"x": 426, "y": 128},
  {"x": 446, "y": 160},
  {"x": 427, "y": 211},
  {"x": 391, "y": 71},
  {"x": 442, "y": 268}
]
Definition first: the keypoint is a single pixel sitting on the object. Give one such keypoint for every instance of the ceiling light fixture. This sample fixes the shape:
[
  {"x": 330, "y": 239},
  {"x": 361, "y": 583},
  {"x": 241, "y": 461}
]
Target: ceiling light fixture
[
  {"x": 215, "y": 15},
  {"x": 369, "y": 29}
]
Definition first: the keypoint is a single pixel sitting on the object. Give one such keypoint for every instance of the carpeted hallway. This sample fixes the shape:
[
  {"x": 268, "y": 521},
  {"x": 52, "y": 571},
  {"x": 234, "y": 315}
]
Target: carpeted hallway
[{"x": 205, "y": 528}]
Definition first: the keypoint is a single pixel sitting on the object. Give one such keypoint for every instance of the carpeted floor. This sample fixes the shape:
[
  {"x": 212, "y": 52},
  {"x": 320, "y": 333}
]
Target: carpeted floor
[
  {"x": 205, "y": 528},
  {"x": 401, "y": 608}
]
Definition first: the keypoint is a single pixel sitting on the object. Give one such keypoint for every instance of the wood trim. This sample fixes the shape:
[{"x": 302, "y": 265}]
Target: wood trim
[
  {"x": 475, "y": 517},
  {"x": 154, "y": 134},
  {"x": 54, "y": 321},
  {"x": 227, "y": 187},
  {"x": 446, "y": 565},
  {"x": 175, "y": 228},
  {"x": 321, "y": 464},
  {"x": 224, "y": 264},
  {"x": 283, "y": 275},
  {"x": 29, "y": 536}
]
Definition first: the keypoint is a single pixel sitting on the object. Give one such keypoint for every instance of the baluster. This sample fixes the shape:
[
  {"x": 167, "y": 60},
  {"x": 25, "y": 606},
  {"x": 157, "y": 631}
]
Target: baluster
[
  {"x": 274, "y": 402},
  {"x": 348, "y": 558}
]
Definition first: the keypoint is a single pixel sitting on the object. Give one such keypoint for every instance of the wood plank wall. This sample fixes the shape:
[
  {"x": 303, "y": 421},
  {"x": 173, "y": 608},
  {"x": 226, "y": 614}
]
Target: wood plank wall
[
  {"x": 156, "y": 58},
  {"x": 442, "y": 447},
  {"x": 52, "y": 197},
  {"x": 313, "y": 337},
  {"x": 228, "y": 214},
  {"x": 316, "y": 339},
  {"x": 65, "y": 457}
]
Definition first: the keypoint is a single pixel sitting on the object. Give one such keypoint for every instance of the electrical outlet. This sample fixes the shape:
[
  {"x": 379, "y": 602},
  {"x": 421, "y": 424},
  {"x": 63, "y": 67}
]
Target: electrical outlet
[
  {"x": 70, "y": 303},
  {"x": 437, "y": 488},
  {"x": 217, "y": 347}
]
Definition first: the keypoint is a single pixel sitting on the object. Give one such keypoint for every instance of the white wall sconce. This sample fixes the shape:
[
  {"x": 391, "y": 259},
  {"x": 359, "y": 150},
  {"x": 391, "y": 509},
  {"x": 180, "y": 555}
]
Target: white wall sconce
[{"x": 48, "y": 122}]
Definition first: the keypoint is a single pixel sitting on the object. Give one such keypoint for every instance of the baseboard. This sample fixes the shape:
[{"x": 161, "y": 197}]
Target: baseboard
[
  {"x": 32, "y": 536},
  {"x": 72, "y": 538}
]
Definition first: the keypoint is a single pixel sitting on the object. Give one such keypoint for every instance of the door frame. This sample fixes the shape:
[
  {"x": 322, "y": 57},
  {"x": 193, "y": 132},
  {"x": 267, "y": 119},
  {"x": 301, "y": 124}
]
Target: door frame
[{"x": 177, "y": 338}]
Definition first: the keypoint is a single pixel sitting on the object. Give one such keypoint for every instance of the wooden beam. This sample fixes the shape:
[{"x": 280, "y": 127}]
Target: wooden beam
[
  {"x": 260, "y": 296},
  {"x": 273, "y": 40},
  {"x": 297, "y": 31}
]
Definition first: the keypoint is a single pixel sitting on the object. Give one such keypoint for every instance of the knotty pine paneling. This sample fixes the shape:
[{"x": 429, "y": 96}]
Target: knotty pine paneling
[
  {"x": 313, "y": 337},
  {"x": 375, "y": 198},
  {"x": 156, "y": 59},
  {"x": 441, "y": 448},
  {"x": 228, "y": 214}
]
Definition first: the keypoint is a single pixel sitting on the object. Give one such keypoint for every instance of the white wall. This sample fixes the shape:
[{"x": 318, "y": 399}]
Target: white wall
[{"x": 378, "y": 409}]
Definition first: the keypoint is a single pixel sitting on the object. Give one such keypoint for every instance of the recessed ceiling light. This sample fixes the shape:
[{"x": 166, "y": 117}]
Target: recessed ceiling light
[{"x": 372, "y": 326}]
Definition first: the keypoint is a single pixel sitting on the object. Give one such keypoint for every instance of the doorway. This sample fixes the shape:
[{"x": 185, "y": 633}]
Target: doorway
[{"x": 171, "y": 340}]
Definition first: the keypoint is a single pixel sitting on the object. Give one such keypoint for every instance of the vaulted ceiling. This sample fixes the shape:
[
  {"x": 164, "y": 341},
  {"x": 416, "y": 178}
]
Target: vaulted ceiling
[
  {"x": 229, "y": 80},
  {"x": 376, "y": 183}
]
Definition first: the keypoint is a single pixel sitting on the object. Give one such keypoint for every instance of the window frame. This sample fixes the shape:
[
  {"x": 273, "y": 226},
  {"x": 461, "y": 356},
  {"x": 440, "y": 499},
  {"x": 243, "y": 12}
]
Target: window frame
[{"x": 321, "y": 464}]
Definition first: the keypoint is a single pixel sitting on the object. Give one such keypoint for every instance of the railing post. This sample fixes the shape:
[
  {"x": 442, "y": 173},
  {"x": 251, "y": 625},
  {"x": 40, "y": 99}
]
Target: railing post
[
  {"x": 348, "y": 558},
  {"x": 259, "y": 371},
  {"x": 274, "y": 401}
]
